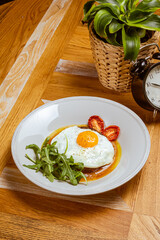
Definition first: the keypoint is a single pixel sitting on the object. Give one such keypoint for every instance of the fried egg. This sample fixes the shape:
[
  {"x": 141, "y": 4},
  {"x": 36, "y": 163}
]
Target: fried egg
[{"x": 85, "y": 145}]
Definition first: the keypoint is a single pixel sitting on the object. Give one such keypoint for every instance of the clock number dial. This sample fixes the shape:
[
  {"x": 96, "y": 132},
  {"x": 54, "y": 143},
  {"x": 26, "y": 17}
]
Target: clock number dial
[
  {"x": 152, "y": 86},
  {"x": 151, "y": 76},
  {"x": 157, "y": 70}
]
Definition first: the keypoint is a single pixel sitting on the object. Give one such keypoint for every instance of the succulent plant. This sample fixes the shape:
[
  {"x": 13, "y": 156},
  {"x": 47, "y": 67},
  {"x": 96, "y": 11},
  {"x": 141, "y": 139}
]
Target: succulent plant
[{"x": 123, "y": 22}]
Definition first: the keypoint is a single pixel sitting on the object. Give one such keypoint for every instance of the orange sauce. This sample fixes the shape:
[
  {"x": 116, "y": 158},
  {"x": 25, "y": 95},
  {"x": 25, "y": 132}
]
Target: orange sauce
[{"x": 95, "y": 173}]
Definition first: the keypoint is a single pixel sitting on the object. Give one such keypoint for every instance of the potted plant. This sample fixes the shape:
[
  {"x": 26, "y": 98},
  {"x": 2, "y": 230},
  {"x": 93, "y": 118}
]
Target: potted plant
[{"x": 118, "y": 29}]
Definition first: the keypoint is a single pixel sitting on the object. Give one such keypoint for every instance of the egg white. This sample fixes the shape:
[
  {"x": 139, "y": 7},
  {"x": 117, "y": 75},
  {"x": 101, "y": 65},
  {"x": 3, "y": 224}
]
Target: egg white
[{"x": 92, "y": 157}]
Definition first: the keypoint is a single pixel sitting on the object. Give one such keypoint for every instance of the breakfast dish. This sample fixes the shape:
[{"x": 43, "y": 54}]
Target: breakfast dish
[
  {"x": 77, "y": 153},
  {"x": 86, "y": 146},
  {"x": 54, "y": 116}
]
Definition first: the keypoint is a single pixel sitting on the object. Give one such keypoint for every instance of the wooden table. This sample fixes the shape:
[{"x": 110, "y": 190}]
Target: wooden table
[{"x": 45, "y": 55}]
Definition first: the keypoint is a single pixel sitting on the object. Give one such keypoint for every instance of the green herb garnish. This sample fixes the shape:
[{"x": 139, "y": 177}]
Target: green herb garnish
[{"x": 54, "y": 165}]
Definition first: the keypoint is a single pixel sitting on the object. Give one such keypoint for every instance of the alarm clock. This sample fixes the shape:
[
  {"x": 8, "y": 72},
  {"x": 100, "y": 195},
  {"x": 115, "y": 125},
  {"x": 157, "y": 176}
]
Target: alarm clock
[{"x": 145, "y": 86}]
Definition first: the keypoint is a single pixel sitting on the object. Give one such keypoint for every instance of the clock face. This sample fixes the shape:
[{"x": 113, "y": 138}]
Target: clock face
[{"x": 152, "y": 86}]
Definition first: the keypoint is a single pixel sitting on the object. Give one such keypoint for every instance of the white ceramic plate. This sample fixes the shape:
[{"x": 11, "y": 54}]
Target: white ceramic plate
[{"x": 134, "y": 140}]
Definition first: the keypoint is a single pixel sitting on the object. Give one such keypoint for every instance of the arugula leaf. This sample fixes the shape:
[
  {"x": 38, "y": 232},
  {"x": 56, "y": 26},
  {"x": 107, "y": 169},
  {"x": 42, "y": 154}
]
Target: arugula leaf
[
  {"x": 31, "y": 166},
  {"x": 30, "y": 158},
  {"x": 66, "y": 144},
  {"x": 54, "y": 165},
  {"x": 45, "y": 142},
  {"x": 35, "y": 148},
  {"x": 50, "y": 177}
]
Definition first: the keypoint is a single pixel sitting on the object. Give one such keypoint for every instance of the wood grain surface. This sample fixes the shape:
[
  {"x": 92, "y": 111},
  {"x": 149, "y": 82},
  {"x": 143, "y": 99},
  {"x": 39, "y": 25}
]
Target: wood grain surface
[
  {"x": 25, "y": 63},
  {"x": 37, "y": 80},
  {"x": 46, "y": 55}
]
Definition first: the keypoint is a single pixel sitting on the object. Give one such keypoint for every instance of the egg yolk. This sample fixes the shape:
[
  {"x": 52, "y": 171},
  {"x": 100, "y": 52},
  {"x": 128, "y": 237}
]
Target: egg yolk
[{"x": 87, "y": 139}]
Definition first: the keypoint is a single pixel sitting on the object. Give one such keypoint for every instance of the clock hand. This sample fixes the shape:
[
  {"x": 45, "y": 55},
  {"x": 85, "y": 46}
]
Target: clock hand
[{"x": 154, "y": 85}]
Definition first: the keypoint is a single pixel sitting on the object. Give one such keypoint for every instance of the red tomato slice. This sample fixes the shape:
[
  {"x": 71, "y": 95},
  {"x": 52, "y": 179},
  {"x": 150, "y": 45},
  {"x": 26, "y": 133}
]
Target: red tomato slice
[
  {"x": 111, "y": 132},
  {"x": 96, "y": 123}
]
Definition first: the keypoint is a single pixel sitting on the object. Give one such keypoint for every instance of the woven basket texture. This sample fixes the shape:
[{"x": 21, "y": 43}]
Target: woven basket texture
[{"x": 113, "y": 70}]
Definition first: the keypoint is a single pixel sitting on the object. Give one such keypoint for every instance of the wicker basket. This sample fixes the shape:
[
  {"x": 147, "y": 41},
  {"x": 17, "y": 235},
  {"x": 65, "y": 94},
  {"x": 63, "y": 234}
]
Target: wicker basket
[{"x": 113, "y": 70}]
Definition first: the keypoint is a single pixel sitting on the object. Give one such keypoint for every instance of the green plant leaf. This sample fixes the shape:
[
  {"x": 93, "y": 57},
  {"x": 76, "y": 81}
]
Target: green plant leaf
[
  {"x": 101, "y": 20},
  {"x": 132, "y": 4},
  {"x": 149, "y": 5},
  {"x": 114, "y": 26},
  {"x": 111, "y": 38},
  {"x": 87, "y": 6},
  {"x": 90, "y": 9},
  {"x": 131, "y": 43},
  {"x": 141, "y": 32},
  {"x": 151, "y": 23},
  {"x": 123, "y": 5},
  {"x": 122, "y": 18},
  {"x": 138, "y": 16},
  {"x": 109, "y": 1},
  {"x": 113, "y": 8}
]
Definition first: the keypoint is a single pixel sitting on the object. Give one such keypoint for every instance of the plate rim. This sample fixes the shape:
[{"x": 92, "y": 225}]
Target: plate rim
[{"x": 112, "y": 186}]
